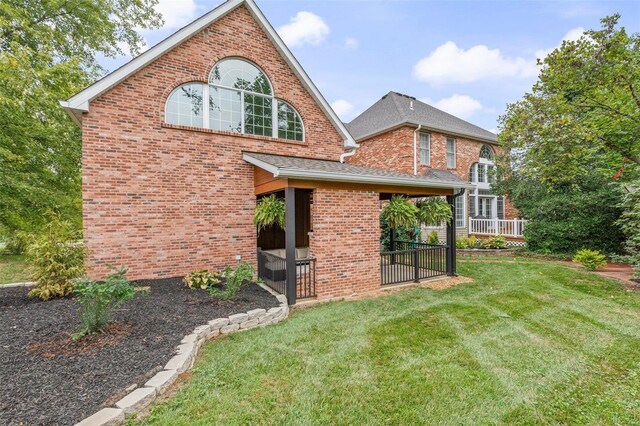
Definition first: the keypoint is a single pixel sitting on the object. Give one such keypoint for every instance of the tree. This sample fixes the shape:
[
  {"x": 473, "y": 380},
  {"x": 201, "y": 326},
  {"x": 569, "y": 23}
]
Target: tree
[
  {"x": 583, "y": 112},
  {"x": 48, "y": 53}
]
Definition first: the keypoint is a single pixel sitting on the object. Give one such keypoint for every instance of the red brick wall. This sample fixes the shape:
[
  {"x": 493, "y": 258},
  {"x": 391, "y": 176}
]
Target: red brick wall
[
  {"x": 163, "y": 200},
  {"x": 345, "y": 242},
  {"x": 394, "y": 150}
]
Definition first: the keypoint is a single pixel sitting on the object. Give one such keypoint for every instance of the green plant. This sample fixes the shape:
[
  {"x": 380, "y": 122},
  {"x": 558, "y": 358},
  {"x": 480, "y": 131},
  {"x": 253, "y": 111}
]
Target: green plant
[
  {"x": 498, "y": 242},
  {"x": 98, "y": 300},
  {"x": 400, "y": 213},
  {"x": 57, "y": 257},
  {"x": 234, "y": 279},
  {"x": 630, "y": 224},
  {"x": 202, "y": 279},
  {"x": 433, "y": 238},
  {"x": 433, "y": 211},
  {"x": 590, "y": 259},
  {"x": 467, "y": 243},
  {"x": 269, "y": 211}
]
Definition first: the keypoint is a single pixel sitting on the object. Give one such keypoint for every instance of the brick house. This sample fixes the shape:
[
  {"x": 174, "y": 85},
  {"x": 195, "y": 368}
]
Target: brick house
[
  {"x": 404, "y": 134},
  {"x": 170, "y": 182}
]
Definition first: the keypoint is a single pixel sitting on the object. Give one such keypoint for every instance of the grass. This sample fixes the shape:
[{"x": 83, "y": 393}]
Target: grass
[
  {"x": 527, "y": 343},
  {"x": 13, "y": 268}
]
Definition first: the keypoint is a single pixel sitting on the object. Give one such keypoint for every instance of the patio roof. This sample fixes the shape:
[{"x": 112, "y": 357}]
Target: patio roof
[{"x": 325, "y": 170}]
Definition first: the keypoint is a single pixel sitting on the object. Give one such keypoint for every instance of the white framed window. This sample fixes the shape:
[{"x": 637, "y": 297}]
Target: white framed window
[
  {"x": 184, "y": 106},
  {"x": 473, "y": 173},
  {"x": 486, "y": 153},
  {"x": 461, "y": 220},
  {"x": 451, "y": 153},
  {"x": 240, "y": 100},
  {"x": 425, "y": 149}
]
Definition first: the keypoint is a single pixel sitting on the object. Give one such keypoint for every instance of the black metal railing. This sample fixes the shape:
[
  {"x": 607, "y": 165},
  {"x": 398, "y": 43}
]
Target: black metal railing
[
  {"x": 419, "y": 262},
  {"x": 272, "y": 269}
]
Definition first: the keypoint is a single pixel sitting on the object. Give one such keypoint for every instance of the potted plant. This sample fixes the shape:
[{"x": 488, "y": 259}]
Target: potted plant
[{"x": 269, "y": 211}]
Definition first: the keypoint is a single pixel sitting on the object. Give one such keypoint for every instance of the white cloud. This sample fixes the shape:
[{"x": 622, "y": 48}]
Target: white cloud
[
  {"x": 127, "y": 52},
  {"x": 461, "y": 106},
  {"x": 177, "y": 13},
  {"x": 342, "y": 108},
  {"x": 304, "y": 28},
  {"x": 351, "y": 43},
  {"x": 573, "y": 35},
  {"x": 449, "y": 63}
]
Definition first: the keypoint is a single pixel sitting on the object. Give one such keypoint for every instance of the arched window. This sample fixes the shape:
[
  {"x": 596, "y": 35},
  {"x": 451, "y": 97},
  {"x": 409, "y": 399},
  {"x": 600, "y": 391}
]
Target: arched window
[
  {"x": 184, "y": 106},
  {"x": 240, "y": 100},
  {"x": 486, "y": 153}
]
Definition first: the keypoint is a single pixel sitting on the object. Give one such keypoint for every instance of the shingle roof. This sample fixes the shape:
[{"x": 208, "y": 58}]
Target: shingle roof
[
  {"x": 395, "y": 109},
  {"x": 306, "y": 168}
]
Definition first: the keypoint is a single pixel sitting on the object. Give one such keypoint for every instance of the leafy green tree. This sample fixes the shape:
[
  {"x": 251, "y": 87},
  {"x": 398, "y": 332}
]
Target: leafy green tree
[
  {"x": 584, "y": 111},
  {"x": 48, "y": 52},
  {"x": 630, "y": 224}
]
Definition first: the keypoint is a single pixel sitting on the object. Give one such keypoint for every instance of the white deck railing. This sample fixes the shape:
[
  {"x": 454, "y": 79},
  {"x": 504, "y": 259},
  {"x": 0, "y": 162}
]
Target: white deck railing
[{"x": 508, "y": 228}]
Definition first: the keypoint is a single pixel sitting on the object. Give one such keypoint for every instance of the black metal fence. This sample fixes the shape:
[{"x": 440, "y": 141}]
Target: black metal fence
[
  {"x": 412, "y": 261},
  {"x": 272, "y": 270}
]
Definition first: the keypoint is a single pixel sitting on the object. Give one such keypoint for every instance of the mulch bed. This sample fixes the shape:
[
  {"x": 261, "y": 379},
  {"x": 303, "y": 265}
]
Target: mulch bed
[{"x": 48, "y": 378}]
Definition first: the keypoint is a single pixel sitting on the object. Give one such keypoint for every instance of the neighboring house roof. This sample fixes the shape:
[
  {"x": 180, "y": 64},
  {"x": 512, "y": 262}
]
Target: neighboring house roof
[
  {"x": 326, "y": 170},
  {"x": 395, "y": 110},
  {"x": 79, "y": 103}
]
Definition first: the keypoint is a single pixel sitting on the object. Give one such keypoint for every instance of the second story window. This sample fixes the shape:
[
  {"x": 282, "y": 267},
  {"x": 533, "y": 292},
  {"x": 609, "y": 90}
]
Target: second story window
[
  {"x": 451, "y": 153},
  {"x": 425, "y": 149},
  {"x": 239, "y": 100}
]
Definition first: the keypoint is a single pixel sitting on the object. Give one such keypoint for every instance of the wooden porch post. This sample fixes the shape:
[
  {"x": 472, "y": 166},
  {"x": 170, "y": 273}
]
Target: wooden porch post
[{"x": 290, "y": 243}]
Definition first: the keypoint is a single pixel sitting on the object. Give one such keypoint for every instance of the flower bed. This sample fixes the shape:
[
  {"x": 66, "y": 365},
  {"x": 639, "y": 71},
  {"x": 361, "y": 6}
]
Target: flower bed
[{"x": 52, "y": 379}]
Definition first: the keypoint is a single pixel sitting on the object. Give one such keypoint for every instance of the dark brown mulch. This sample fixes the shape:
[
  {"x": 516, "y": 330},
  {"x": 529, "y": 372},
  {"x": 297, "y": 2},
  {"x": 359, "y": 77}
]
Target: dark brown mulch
[{"x": 47, "y": 378}]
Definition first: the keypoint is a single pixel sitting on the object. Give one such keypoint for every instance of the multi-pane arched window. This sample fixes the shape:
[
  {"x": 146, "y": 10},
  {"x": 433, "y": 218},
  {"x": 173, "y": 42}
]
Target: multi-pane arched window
[
  {"x": 486, "y": 153},
  {"x": 240, "y": 100}
]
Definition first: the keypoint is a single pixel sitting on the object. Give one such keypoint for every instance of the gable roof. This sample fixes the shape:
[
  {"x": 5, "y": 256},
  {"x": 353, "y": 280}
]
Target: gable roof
[
  {"x": 395, "y": 110},
  {"x": 79, "y": 103},
  {"x": 282, "y": 166}
]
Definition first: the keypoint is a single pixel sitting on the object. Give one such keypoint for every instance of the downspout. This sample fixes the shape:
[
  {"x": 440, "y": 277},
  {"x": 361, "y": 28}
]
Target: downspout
[
  {"x": 348, "y": 154},
  {"x": 415, "y": 149}
]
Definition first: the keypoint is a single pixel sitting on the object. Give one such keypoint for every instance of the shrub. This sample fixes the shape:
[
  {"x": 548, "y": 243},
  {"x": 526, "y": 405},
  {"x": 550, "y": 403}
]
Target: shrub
[
  {"x": 498, "y": 242},
  {"x": 562, "y": 217},
  {"x": 630, "y": 224},
  {"x": 467, "y": 243},
  {"x": 402, "y": 234},
  {"x": 57, "y": 258},
  {"x": 234, "y": 279},
  {"x": 201, "y": 280},
  {"x": 99, "y": 299},
  {"x": 590, "y": 259},
  {"x": 433, "y": 238}
]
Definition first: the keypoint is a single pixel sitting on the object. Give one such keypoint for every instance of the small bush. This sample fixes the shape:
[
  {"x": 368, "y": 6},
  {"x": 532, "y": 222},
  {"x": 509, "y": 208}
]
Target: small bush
[
  {"x": 433, "y": 238},
  {"x": 498, "y": 242},
  {"x": 99, "y": 299},
  {"x": 234, "y": 279},
  {"x": 590, "y": 259},
  {"x": 201, "y": 280},
  {"x": 57, "y": 258},
  {"x": 467, "y": 243}
]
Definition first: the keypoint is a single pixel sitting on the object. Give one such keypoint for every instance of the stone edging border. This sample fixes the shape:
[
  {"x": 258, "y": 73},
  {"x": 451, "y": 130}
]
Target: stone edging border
[
  {"x": 13, "y": 285},
  {"x": 141, "y": 398}
]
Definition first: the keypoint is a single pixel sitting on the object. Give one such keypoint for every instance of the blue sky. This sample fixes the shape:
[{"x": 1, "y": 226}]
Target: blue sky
[{"x": 469, "y": 58}]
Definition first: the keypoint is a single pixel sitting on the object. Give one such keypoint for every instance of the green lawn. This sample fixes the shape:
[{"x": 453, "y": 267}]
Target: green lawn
[
  {"x": 13, "y": 269},
  {"x": 526, "y": 343}
]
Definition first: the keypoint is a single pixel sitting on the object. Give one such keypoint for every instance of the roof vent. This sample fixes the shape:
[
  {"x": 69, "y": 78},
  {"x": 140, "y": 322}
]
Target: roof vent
[{"x": 411, "y": 105}]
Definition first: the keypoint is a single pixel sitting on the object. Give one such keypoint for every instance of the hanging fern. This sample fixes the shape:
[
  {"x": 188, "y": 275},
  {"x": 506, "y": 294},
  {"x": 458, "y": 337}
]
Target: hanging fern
[
  {"x": 434, "y": 211},
  {"x": 400, "y": 213},
  {"x": 269, "y": 211}
]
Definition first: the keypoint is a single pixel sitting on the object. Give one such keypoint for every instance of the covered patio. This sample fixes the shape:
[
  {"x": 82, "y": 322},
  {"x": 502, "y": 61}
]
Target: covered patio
[{"x": 330, "y": 246}]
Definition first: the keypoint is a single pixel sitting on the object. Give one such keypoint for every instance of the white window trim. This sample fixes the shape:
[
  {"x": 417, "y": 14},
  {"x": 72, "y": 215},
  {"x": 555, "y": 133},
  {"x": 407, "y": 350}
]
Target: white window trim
[
  {"x": 428, "y": 149},
  {"x": 455, "y": 148},
  {"x": 463, "y": 199},
  {"x": 206, "y": 91}
]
